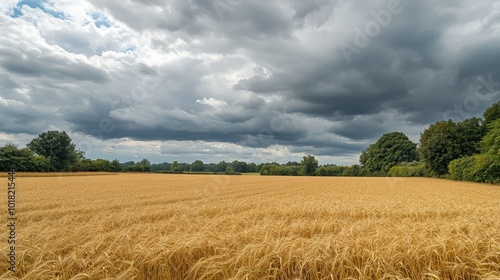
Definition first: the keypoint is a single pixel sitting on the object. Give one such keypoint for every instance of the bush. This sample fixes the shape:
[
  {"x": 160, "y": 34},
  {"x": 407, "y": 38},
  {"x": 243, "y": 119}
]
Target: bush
[
  {"x": 478, "y": 168},
  {"x": 265, "y": 169},
  {"x": 280, "y": 170},
  {"x": 409, "y": 171},
  {"x": 24, "y": 160},
  {"x": 230, "y": 171}
]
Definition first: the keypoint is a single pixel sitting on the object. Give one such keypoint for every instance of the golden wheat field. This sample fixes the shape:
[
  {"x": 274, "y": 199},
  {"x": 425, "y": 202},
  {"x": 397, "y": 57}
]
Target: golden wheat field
[{"x": 136, "y": 226}]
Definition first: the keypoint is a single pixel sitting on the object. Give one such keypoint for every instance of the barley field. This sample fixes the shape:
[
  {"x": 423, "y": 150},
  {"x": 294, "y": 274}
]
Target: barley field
[{"x": 136, "y": 226}]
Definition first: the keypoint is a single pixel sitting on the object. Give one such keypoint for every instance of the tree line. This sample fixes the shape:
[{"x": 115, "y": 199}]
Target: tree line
[
  {"x": 467, "y": 150},
  {"x": 53, "y": 151}
]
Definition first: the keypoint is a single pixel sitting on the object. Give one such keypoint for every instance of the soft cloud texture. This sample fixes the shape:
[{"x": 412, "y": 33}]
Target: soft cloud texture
[{"x": 247, "y": 80}]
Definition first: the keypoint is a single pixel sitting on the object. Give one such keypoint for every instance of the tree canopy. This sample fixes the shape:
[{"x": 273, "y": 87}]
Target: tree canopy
[
  {"x": 491, "y": 142},
  {"x": 491, "y": 114},
  {"x": 197, "y": 166},
  {"x": 390, "y": 150},
  {"x": 445, "y": 141},
  {"x": 23, "y": 160},
  {"x": 58, "y": 148},
  {"x": 484, "y": 167},
  {"x": 308, "y": 165}
]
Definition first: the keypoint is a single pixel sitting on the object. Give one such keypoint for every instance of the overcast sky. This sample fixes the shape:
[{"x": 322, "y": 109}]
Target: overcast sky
[{"x": 242, "y": 80}]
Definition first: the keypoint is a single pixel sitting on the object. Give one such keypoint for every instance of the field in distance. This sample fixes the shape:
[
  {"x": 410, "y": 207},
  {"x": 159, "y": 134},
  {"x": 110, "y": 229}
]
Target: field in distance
[{"x": 153, "y": 226}]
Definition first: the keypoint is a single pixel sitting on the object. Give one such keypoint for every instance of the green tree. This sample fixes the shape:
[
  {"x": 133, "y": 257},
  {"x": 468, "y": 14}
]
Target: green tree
[
  {"x": 176, "y": 167},
  {"x": 23, "y": 159},
  {"x": 390, "y": 150},
  {"x": 210, "y": 167},
  {"x": 115, "y": 166},
  {"x": 239, "y": 166},
  {"x": 266, "y": 168},
  {"x": 439, "y": 146},
  {"x": 445, "y": 141},
  {"x": 221, "y": 166},
  {"x": 292, "y": 170},
  {"x": 82, "y": 166},
  {"x": 127, "y": 165},
  {"x": 145, "y": 165},
  {"x": 484, "y": 167},
  {"x": 469, "y": 134},
  {"x": 252, "y": 167},
  {"x": 491, "y": 142},
  {"x": 197, "y": 166},
  {"x": 230, "y": 171},
  {"x": 40, "y": 164},
  {"x": 57, "y": 147},
  {"x": 161, "y": 167},
  {"x": 308, "y": 165},
  {"x": 491, "y": 114},
  {"x": 102, "y": 165}
]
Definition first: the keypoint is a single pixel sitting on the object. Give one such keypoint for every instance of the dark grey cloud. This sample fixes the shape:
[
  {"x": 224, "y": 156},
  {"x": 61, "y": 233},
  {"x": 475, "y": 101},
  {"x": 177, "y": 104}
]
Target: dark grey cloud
[
  {"x": 359, "y": 130},
  {"x": 19, "y": 58},
  {"x": 271, "y": 77},
  {"x": 18, "y": 117},
  {"x": 480, "y": 59}
]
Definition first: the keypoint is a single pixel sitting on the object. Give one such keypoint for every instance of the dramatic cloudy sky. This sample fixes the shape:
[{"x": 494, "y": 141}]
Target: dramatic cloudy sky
[{"x": 239, "y": 79}]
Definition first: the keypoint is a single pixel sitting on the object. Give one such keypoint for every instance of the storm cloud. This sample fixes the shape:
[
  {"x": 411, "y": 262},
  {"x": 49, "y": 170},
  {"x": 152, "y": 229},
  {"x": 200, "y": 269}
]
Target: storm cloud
[{"x": 247, "y": 80}]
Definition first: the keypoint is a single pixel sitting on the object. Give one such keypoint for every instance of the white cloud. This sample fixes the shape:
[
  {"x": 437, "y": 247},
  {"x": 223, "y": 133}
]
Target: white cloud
[{"x": 212, "y": 102}]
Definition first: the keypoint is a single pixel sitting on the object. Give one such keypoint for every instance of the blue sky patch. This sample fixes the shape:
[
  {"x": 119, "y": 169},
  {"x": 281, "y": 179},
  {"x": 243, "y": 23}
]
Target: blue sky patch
[
  {"x": 35, "y": 4},
  {"x": 129, "y": 49},
  {"x": 100, "y": 20}
]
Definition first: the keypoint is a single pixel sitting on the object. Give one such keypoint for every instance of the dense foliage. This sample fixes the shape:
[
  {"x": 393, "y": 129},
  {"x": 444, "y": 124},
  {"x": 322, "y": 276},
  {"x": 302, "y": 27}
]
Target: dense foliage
[
  {"x": 484, "y": 167},
  {"x": 491, "y": 142},
  {"x": 390, "y": 150},
  {"x": 445, "y": 141},
  {"x": 23, "y": 159},
  {"x": 418, "y": 170},
  {"x": 492, "y": 114},
  {"x": 57, "y": 148},
  {"x": 478, "y": 168}
]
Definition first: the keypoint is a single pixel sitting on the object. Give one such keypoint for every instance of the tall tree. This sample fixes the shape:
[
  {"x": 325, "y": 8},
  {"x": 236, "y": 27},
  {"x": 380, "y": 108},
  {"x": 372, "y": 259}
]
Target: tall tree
[
  {"x": 439, "y": 146},
  {"x": 58, "y": 148},
  {"x": 445, "y": 141},
  {"x": 221, "y": 166},
  {"x": 469, "y": 134},
  {"x": 308, "y": 165},
  {"x": 197, "y": 166},
  {"x": 239, "y": 166},
  {"x": 176, "y": 167},
  {"x": 491, "y": 142},
  {"x": 145, "y": 165},
  {"x": 390, "y": 150},
  {"x": 491, "y": 114},
  {"x": 115, "y": 166}
]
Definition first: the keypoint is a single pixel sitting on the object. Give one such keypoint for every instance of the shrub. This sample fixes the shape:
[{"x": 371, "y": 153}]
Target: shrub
[
  {"x": 479, "y": 168},
  {"x": 409, "y": 171}
]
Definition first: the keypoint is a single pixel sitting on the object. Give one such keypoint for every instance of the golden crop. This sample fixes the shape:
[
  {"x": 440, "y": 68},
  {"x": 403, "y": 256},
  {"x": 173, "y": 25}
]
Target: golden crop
[{"x": 134, "y": 226}]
